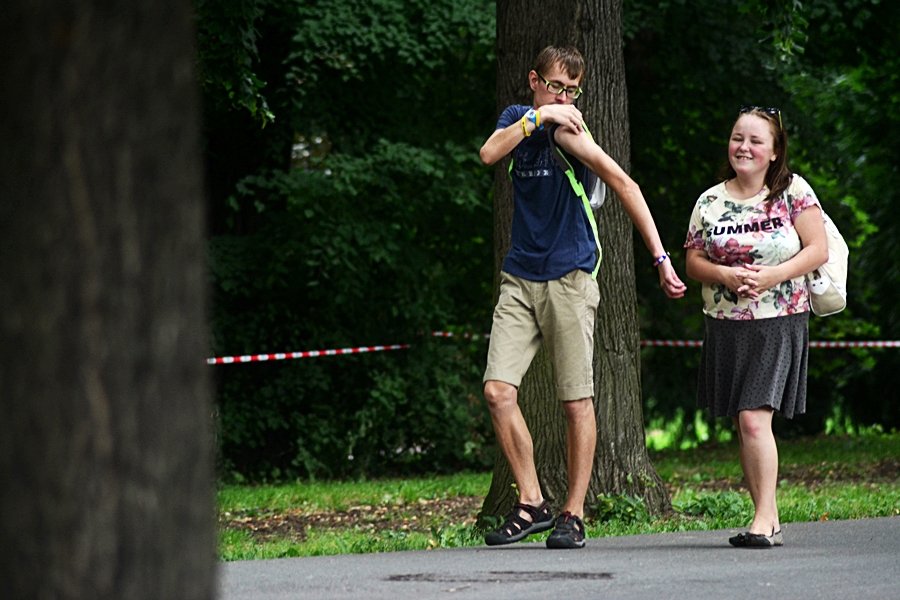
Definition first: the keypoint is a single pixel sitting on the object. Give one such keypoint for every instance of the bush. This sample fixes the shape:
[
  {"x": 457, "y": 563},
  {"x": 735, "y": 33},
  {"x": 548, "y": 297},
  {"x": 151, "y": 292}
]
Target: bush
[
  {"x": 621, "y": 508},
  {"x": 362, "y": 251}
]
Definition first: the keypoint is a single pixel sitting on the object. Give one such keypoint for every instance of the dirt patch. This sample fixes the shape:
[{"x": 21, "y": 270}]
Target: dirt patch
[
  {"x": 883, "y": 471},
  {"x": 811, "y": 476},
  {"x": 422, "y": 516}
]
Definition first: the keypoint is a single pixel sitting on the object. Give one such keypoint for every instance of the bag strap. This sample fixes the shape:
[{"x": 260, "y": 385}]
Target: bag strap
[
  {"x": 578, "y": 188},
  {"x": 790, "y": 207},
  {"x": 787, "y": 201}
]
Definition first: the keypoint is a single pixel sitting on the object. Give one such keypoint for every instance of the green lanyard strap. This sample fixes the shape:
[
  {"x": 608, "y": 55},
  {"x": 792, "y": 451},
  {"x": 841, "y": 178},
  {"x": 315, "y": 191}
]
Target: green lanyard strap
[{"x": 578, "y": 188}]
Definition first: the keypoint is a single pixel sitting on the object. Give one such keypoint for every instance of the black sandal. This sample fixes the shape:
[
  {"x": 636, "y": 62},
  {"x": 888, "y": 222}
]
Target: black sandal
[
  {"x": 516, "y": 527},
  {"x": 569, "y": 532},
  {"x": 757, "y": 540}
]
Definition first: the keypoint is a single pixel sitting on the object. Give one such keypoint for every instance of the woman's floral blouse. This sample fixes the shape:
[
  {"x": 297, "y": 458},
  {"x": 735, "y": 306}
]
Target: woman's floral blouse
[{"x": 734, "y": 232}]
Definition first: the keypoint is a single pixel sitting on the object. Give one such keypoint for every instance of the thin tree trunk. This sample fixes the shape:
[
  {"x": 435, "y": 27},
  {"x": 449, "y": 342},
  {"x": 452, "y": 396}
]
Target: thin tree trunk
[
  {"x": 106, "y": 450},
  {"x": 622, "y": 465}
]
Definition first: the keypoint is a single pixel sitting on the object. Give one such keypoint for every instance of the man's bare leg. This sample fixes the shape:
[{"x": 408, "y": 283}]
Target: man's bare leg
[
  {"x": 581, "y": 442},
  {"x": 514, "y": 439}
]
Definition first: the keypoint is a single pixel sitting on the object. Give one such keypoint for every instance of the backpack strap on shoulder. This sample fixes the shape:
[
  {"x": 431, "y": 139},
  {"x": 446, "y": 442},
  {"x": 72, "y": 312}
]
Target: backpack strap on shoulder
[{"x": 564, "y": 164}]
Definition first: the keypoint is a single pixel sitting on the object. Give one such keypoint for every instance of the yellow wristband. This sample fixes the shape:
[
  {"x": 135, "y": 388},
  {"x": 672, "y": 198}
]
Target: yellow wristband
[
  {"x": 537, "y": 119},
  {"x": 524, "y": 129}
]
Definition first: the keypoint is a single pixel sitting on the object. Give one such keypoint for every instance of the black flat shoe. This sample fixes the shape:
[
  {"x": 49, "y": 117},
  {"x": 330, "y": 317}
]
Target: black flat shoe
[{"x": 757, "y": 540}]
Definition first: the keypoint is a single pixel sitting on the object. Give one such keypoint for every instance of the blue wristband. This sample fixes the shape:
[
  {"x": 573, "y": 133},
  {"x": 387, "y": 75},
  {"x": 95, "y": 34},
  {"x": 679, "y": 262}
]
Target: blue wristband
[{"x": 533, "y": 116}]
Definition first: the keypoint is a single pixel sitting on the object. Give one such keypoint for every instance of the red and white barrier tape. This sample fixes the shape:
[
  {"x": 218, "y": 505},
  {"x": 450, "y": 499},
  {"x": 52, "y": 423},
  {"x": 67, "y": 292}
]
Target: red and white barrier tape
[
  {"x": 812, "y": 344},
  {"x": 673, "y": 343},
  {"x": 247, "y": 358},
  {"x": 466, "y": 336},
  {"x": 856, "y": 344}
]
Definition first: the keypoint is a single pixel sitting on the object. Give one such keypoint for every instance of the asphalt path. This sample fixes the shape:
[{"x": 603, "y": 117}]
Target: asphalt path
[{"x": 840, "y": 560}]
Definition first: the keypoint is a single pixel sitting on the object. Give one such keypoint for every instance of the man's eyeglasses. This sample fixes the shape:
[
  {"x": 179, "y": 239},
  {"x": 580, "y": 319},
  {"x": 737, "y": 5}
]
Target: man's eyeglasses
[
  {"x": 769, "y": 110},
  {"x": 557, "y": 88}
]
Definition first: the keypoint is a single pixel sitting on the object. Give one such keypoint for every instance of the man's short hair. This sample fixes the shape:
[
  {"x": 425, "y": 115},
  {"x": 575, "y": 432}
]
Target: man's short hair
[{"x": 567, "y": 56}]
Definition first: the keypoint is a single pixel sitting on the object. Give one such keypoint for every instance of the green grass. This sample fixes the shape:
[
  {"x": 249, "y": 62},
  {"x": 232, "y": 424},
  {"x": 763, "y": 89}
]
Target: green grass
[
  {"x": 341, "y": 495},
  {"x": 826, "y": 452},
  {"x": 238, "y": 545},
  {"x": 827, "y": 477}
]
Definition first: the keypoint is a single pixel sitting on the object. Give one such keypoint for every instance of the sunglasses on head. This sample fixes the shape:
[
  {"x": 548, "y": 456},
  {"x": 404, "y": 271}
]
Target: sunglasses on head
[{"x": 769, "y": 110}]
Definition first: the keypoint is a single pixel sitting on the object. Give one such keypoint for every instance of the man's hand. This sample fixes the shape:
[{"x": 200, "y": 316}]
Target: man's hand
[
  {"x": 564, "y": 115},
  {"x": 669, "y": 281}
]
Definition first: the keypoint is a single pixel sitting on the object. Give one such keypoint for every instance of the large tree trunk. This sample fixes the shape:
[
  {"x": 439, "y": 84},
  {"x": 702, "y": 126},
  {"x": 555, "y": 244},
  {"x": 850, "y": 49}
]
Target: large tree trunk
[
  {"x": 622, "y": 465},
  {"x": 106, "y": 449}
]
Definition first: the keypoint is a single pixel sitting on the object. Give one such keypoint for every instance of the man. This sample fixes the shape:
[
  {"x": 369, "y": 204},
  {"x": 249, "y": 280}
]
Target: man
[{"x": 548, "y": 291}]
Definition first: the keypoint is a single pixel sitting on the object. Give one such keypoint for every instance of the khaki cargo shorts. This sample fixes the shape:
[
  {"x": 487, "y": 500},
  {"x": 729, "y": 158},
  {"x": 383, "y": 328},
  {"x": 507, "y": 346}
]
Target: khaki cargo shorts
[{"x": 559, "y": 313}]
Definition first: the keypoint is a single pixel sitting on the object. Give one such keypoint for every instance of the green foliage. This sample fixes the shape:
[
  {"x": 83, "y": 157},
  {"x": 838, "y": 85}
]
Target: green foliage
[
  {"x": 228, "y": 50},
  {"x": 621, "y": 508},
  {"x": 723, "y": 506},
  {"x": 455, "y": 536},
  {"x": 360, "y": 221},
  {"x": 839, "y": 423},
  {"x": 847, "y": 94},
  {"x": 678, "y": 432},
  {"x": 344, "y": 269},
  {"x": 402, "y": 70}
]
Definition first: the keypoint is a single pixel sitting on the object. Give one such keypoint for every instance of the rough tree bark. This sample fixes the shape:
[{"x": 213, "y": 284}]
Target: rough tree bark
[
  {"x": 622, "y": 465},
  {"x": 106, "y": 452}
]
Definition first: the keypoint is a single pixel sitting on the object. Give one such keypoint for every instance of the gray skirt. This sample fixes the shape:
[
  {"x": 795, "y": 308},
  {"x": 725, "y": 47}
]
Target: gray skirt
[{"x": 752, "y": 364}]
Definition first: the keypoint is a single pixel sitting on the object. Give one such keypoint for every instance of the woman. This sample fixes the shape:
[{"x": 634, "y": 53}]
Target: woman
[{"x": 752, "y": 238}]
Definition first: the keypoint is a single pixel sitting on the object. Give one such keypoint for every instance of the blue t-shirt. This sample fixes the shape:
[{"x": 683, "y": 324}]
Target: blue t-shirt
[{"x": 551, "y": 234}]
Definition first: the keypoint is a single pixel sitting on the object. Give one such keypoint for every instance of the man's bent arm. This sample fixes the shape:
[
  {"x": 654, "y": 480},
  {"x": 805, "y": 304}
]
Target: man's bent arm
[
  {"x": 629, "y": 194},
  {"x": 628, "y": 191},
  {"x": 502, "y": 142}
]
